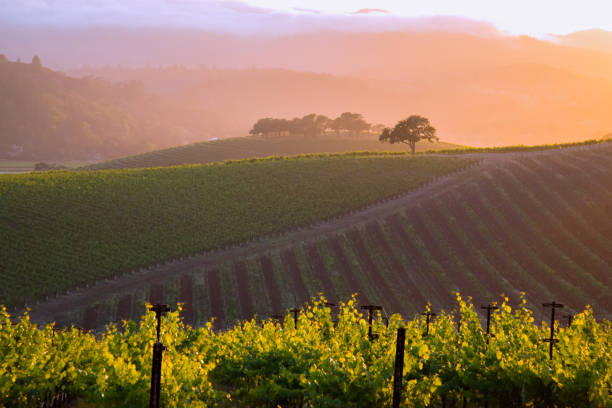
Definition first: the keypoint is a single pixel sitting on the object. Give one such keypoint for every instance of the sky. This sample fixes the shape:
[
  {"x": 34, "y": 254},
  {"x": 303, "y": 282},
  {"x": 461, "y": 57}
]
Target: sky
[{"x": 531, "y": 17}]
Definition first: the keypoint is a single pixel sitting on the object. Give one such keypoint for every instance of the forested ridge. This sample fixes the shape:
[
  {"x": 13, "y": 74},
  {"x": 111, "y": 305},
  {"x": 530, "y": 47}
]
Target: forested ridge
[{"x": 47, "y": 115}]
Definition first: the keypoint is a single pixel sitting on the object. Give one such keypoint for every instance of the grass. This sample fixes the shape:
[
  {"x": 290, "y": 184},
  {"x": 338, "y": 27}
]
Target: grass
[
  {"x": 249, "y": 147},
  {"x": 517, "y": 148},
  {"x": 25, "y": 165}
]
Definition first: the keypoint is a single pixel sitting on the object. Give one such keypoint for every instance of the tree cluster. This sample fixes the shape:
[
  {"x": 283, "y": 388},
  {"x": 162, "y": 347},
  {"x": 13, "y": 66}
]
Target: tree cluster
[{"x": 313, "y": 126}]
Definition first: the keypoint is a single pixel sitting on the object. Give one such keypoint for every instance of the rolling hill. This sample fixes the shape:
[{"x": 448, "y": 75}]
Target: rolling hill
[
  {"x": 66, "y": 228},
  {"x": 599, "y": 40},
  {"x": 535, "y": 222},
  {"x": 493, "y": 104},
  {"x": 237, "y": 148}
]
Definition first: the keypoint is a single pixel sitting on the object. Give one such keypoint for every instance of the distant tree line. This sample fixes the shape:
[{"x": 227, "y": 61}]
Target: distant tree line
[
  {"x": 314, "y": 126},
  {"x": 47, "y": 115}
]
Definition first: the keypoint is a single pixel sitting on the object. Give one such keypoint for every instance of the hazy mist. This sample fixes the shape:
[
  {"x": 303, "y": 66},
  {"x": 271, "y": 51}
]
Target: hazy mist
[{"x": 477, "y": 85}]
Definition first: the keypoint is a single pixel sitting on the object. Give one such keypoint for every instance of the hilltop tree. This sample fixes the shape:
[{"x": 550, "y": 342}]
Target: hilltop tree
[
  {"x": 377, "y": 128},
  {"x": 410, "y": 131},
  {"x": 311, "y": 125},
  {"x": 321, "y": 123},
  {"x": 267, "y": 126},
  {"x": 352, "y": 122},
  {"x": 36, "y": 62}
]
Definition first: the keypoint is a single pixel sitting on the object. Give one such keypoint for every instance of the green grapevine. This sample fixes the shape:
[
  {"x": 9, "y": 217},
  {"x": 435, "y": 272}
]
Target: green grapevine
[
  {"x": 316, "y": 364},
  {"x": 63, "y": 229}
]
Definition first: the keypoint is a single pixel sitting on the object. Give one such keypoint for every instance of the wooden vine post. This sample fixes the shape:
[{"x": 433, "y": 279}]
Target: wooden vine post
[
  {"x": 158, "y": 349},
  {"x": 398, "y": 369},
  {"x": 489, "y": 308},
  {"x": 428, "y": 315},
  {"x": 371, "y": 309},
  {"x": 295, "y": 311},
  {"x": 553, "y": 305}
]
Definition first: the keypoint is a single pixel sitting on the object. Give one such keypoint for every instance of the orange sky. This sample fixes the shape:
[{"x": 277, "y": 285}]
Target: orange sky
[{"x": 478, "y": 85}]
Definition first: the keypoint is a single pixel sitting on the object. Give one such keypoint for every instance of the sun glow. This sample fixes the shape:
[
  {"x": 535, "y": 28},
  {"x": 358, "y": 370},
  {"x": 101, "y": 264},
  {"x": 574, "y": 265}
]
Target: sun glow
[{"x": 519, "y": 16}]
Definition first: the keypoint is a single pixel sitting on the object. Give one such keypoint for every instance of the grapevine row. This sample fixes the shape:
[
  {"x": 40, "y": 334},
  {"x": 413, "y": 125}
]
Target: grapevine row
[{"x": 327, "y": 359}]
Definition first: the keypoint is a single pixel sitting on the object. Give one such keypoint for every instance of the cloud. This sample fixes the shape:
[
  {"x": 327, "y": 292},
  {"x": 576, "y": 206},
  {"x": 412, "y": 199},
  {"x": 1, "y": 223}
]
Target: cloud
[
  {"x": 244, "y": 8},
  {"x": 371, "y": 11},
  {"x": 222, "y": 16},
  {"x": 305, "y": 10}
]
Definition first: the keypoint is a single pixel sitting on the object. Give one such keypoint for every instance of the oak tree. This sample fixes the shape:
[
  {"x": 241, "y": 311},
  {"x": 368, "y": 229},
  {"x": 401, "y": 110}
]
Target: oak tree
[{"x": 409, "y": 131}]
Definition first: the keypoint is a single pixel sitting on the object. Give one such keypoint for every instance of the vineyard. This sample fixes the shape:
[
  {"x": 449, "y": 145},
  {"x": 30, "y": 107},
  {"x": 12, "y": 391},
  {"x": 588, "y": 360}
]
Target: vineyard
[
  {"x": 538, "y": 223},
  {"x": 535, "y": 226},
  {"x": 60, "y": 230},
  {"x": 248, "y": 147},
  {"x": 523, "y": 148},
  {"x": 325, "y": 358}
]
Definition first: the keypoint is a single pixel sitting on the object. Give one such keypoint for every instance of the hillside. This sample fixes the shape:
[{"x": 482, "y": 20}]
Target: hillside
[
  {"x": 476, "y": 90},
  {"x": 248, "y": 147},
  {"x": 46, "y": 115},
  {"x": 600, "y": 40},
  {"x": 536, "y": 222},
  {"x": 427, "y": 52},
  {"x": 63, "y": 229},
  {"x": 488, "y": 105}
]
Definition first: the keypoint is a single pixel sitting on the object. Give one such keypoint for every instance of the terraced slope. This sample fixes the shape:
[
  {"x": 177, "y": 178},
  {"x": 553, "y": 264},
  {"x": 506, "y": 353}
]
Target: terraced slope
[
  {"x": 539, "y": 223},
  {"x": 248, "y": 147}
]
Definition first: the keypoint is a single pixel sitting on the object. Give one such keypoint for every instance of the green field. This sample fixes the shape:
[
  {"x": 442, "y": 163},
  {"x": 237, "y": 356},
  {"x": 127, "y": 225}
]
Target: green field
[
  {"x": 63, "y": 229},
  {"x": 19, "y": 166},
  {"x": 248, "y": 147}
]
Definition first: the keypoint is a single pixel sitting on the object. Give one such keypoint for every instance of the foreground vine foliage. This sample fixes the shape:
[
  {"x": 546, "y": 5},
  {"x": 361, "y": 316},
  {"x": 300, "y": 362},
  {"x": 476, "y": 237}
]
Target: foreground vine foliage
[{"x": 317, "y": 364}]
